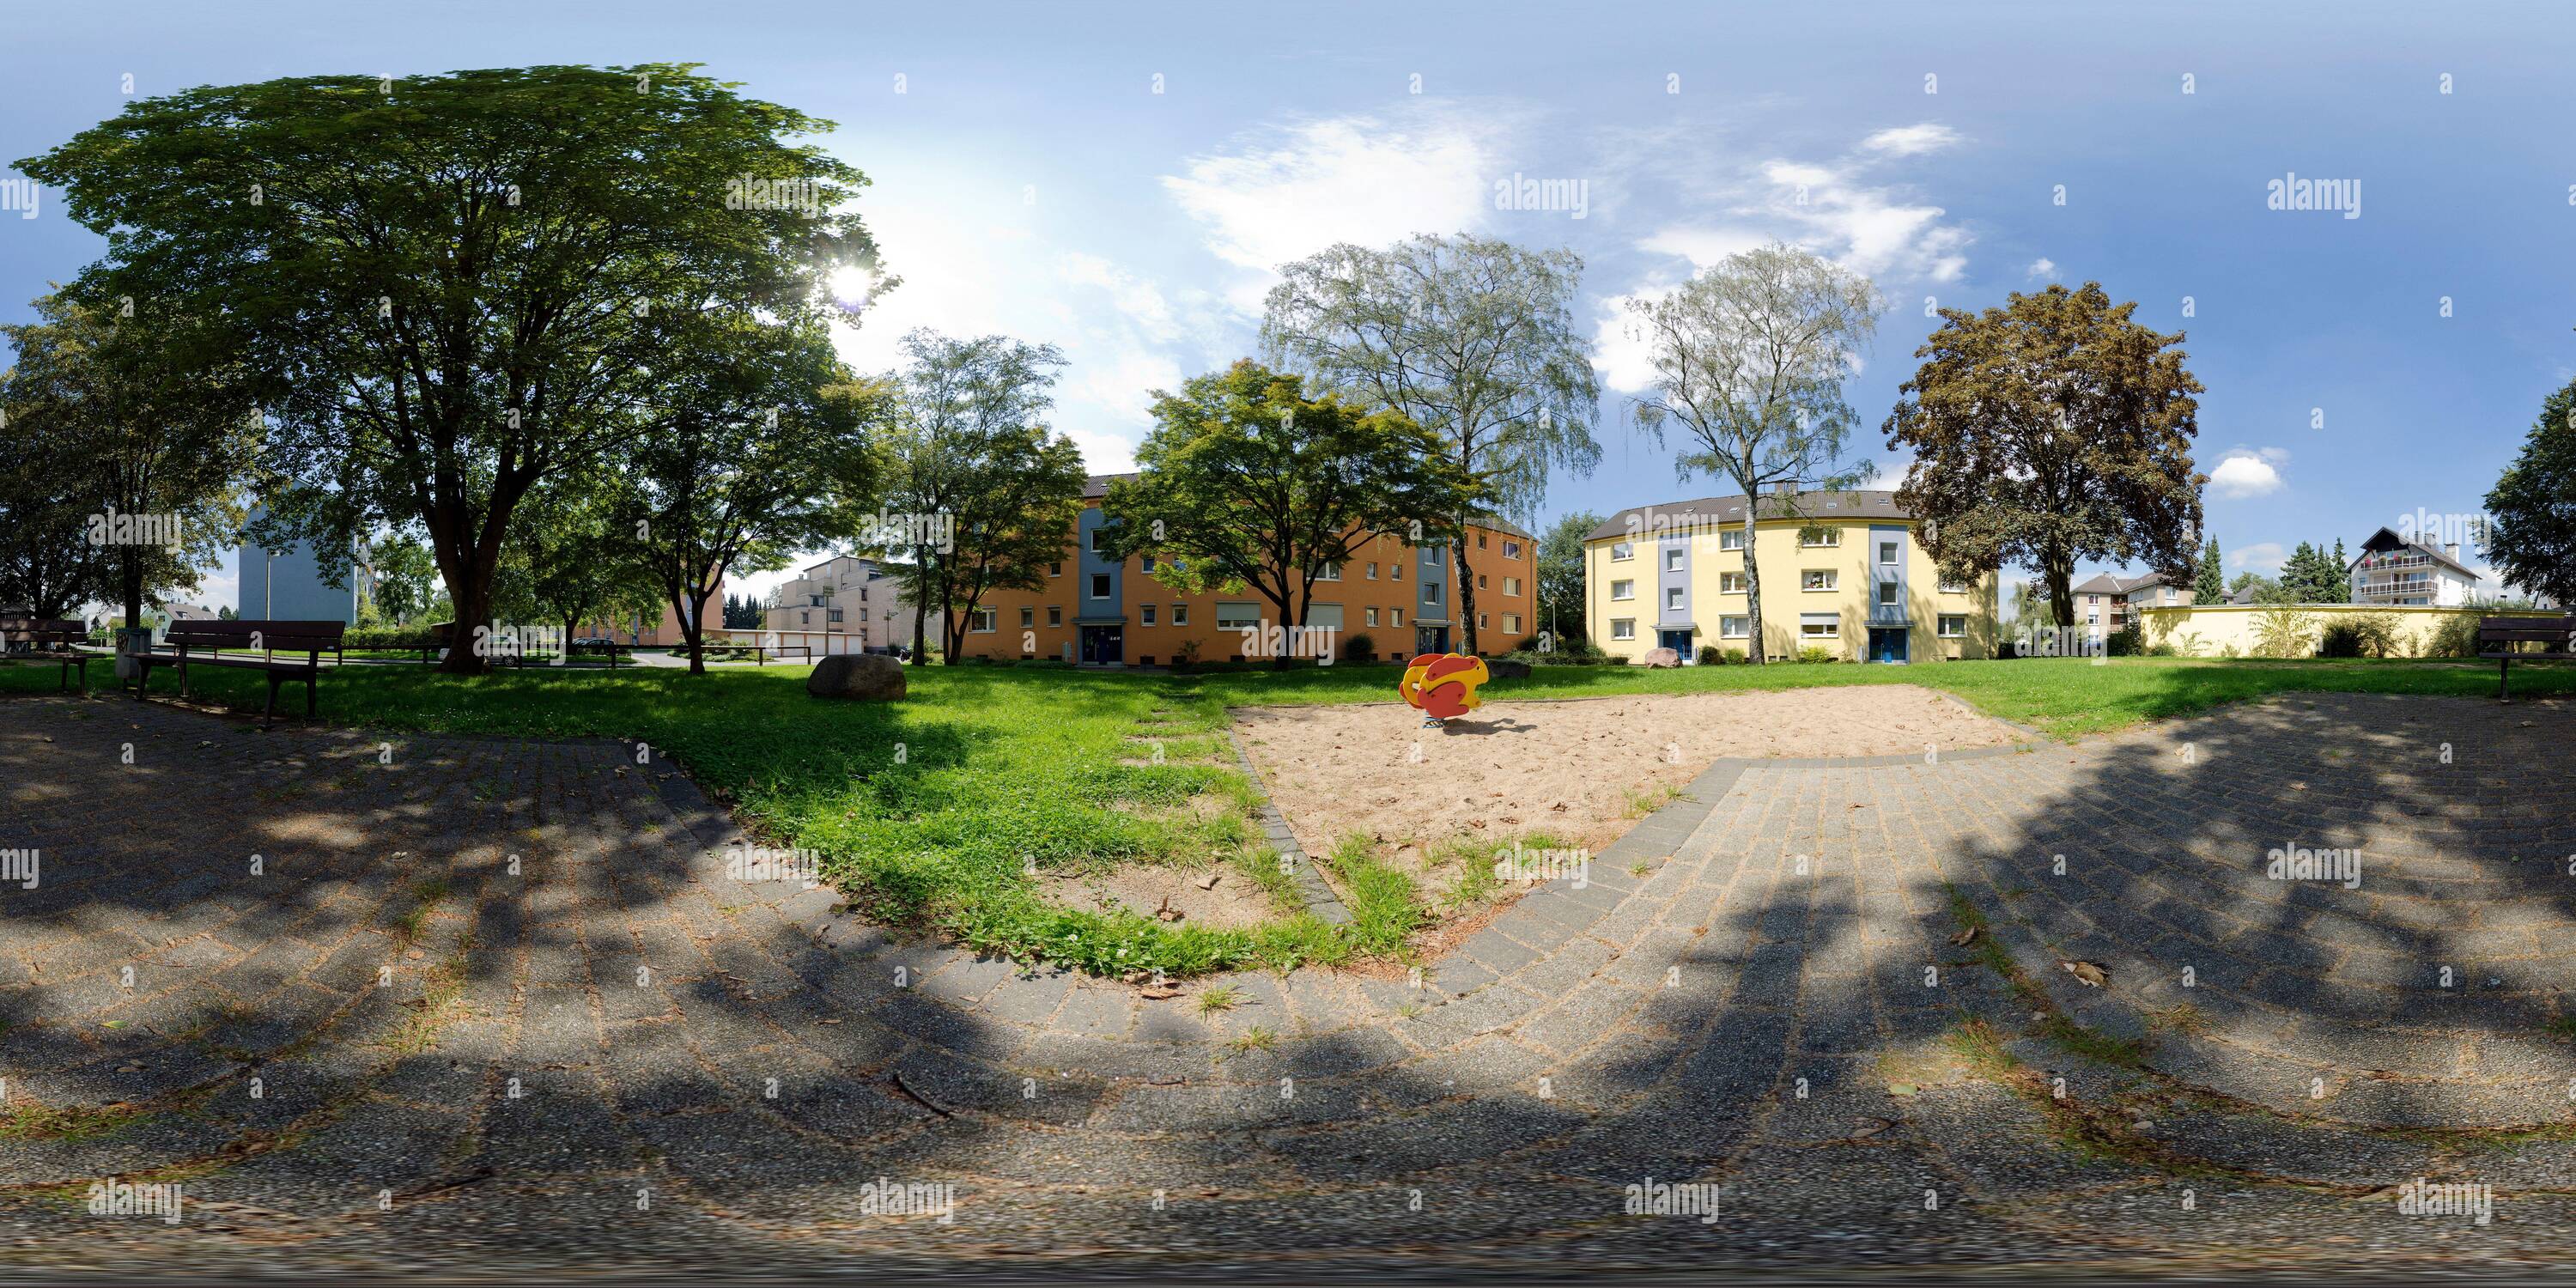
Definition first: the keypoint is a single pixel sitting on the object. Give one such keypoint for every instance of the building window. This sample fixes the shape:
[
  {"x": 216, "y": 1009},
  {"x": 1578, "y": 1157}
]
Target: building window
[
  {"x": 1028, "y": 618},
  {"x": 1145, "y": 613},
  {"x": 1329, "y": 572},
  {"x": 1733, "y": 628},
  {"x": 1100, "y": 585},
  {"x": 1395, "y": 572},
  {"x": 1673, "y": 558},
  {"x": 804, "y": 618},
  {"x": 1674, "y": 600},
  {"x": 1730, "y": 583},
  {"x": 1431, "y": 593},
  {"x": 1819, "y": 579},
  {"x": 1372, "y": 570},
  {"x": 1623, "y": 590},
  {"x": 1372, "y": 617},
  {"x": 981, "y": 622},
  {"x": 1887, "y": 594},
  {"x": 1511, "y": 585},
  {"x": 1055, "y": 615},
  {"x": 1098, "y": 535},
  {"x": 1480, "y": 541},
  {"x": 1954, "y": 626},
  {"x": 1624, "y": 628},
  {"x": 1180, "y": 614},
  {"x": 1511, "y": 623},
  {"x": 1056, "y": 569},
  {"x": 1237, "y": 616},
  {"x": 1821, "y": 538},
  {"x": 1730, "y": 539},
  {"x": 1395, "y": 617},
  {"x": 1481, "y": 623},
  {"x": 1511, "y": 550},
  {"x": 1819, "y": 626},
  {"x": 1954, "y": 587},
  {"x": 1887, "y": 553},
  {"x": 1620, "y": 550},
  {"x": 1145, "y": 563}
]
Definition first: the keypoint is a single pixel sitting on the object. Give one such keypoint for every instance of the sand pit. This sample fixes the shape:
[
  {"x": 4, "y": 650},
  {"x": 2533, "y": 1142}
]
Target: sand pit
[{"x": 1572, "y": 769}]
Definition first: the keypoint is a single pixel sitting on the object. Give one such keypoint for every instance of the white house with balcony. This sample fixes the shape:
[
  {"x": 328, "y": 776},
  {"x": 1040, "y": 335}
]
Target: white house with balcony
[{"x": 2392, "y": 571}]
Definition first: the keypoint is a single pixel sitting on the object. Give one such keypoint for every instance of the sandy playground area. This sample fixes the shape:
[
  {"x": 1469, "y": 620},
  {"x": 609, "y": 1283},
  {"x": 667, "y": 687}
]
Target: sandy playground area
[{"x": 1573, "y": 769}]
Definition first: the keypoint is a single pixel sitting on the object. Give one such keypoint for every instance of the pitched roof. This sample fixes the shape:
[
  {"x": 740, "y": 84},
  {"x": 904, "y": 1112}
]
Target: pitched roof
[
  {"x": 2114, "y": 584},
  {"x": 1715, "y": 511},
  {"x": 2373, "y": 544}
]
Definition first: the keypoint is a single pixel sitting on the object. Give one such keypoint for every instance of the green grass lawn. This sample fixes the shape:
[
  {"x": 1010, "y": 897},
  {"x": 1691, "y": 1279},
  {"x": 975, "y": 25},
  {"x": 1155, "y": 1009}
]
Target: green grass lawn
[{"x": 931, "y": 812}]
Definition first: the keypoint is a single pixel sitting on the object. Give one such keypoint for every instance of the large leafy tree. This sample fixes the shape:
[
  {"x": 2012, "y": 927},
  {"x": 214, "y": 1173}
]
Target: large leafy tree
[
  {"x": 2531, "y": 533},
  {"x": 567, "y": 561},
  {"x": 1245, "y": 480},
  {"x": 401, "y": 570},
  {"x": 1750, "y": 358},
  {"x": 118, "y": 418},
  {"x": 2049, "y": 431},
  {"x": 1471, "y": 338},
  {"x": 455, "y": 286},
  {"x": 979, "y": 495},
  {"x": 758, "y": 450},
  {"x": 1560, "y": 580}
]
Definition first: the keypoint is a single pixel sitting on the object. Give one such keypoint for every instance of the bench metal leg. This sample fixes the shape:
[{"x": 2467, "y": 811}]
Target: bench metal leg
[
  {"x": 309, "y": 711},
  {"x": 2503, "y": 665},
  {"x": 271, "y": 717}
]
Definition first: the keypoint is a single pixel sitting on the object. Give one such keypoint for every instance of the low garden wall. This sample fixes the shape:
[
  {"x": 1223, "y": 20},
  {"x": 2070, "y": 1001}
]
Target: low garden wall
[{"x": 2293, "y": 630}]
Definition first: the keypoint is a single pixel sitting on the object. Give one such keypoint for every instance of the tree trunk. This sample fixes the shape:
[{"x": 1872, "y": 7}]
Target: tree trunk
[
  {"x": 1466, "y": 590},
  {"x": 693, "y": 627},
  {"x": 470, "y": 591},
  {"x": 130, "y": 572},
  {"x": 2059, "y": 569},
  {"x": 1752, "y": 593},
  {"x": 920, "y": 634}
]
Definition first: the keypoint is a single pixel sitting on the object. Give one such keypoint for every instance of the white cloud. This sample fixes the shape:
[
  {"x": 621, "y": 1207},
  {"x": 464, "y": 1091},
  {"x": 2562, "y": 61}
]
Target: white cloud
[
  {"x": 1288, "y": 192},
  {"x": 2264, "y": 557},
  {"x": 2043, "y": 268},
  {"x": 1620, "y": 350},
  {"x": 1911, "y": 140},
  {"x": 2245, "y": 473}
]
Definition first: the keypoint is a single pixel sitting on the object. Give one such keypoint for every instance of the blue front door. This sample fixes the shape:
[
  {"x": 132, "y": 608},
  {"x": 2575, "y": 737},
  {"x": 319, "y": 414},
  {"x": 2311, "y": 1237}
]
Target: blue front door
[
  {"x": 1886, "y": 644},
  {"x": 1677, "y": 641}
]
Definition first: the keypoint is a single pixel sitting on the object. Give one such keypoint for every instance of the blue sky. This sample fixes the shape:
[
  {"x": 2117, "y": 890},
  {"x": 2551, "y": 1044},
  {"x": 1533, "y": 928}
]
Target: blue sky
[{"x": 1028, "y": 180}]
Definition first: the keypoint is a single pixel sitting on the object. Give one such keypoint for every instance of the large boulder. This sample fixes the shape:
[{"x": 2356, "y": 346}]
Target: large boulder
[
  {"x": 867, "y": 677},
  {"x": 1660, "y": 657}
]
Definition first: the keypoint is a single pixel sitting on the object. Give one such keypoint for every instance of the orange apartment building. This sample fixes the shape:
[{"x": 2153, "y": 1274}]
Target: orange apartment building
[{"x": 1102, "y": 612}]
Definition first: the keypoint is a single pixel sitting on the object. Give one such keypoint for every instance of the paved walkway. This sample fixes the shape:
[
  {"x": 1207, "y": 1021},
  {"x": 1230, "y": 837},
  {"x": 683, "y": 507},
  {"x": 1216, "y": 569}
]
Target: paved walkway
[{"x": 496, "y": 1006}]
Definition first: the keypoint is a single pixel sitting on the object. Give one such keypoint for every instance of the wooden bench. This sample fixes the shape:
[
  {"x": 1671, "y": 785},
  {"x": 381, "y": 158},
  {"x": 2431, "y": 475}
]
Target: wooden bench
[
  {"x": 202, "y": 643},
  {"x": 48, "y": 639},
  {"x": 2498, "y": 638}
]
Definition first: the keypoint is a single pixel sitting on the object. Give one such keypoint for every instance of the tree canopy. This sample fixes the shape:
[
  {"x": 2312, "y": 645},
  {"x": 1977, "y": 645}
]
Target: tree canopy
[
  {"x": 2048, "y": 431},
  {"x": 2531, "y": 534},
  {"x": 455, "y": 287}
]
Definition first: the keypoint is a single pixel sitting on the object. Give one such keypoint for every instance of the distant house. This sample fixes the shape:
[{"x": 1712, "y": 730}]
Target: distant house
[
  {"x": 844, "y": 595},
  {"x": 2110, "y": 603},
  {"x": 2393, "y": 571}
]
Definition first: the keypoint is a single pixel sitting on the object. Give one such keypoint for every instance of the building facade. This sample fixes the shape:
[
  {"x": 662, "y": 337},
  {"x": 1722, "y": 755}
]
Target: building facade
[
  {"x": 846, "y": 596},
  {"x": 287, "y": 585},
  {"x": 2110, "y": 603},
  {"x": 1848, "y": 577},
  {"x": 2392, "y": 571},
  {"x": 1099, "y": 611}
]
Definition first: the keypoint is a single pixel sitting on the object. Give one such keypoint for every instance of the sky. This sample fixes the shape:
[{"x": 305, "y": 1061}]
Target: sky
[{"x": 1121, "y": 180}]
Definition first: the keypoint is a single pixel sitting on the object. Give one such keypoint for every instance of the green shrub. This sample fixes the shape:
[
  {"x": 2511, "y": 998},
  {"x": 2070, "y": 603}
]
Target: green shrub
[
  {"x": 1359, "y": 648},
  {"x": 2128, "y": 641},
  {"x": 1734, "y": 655},
  {"x": 2365, "y": 635},
  {"x": 1710, "y": 655},
  {"x": 1815, "y": 653}
]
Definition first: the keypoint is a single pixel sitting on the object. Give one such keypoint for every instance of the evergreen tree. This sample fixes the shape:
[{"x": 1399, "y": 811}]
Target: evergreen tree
[{"x": 2209, "y": 582}]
